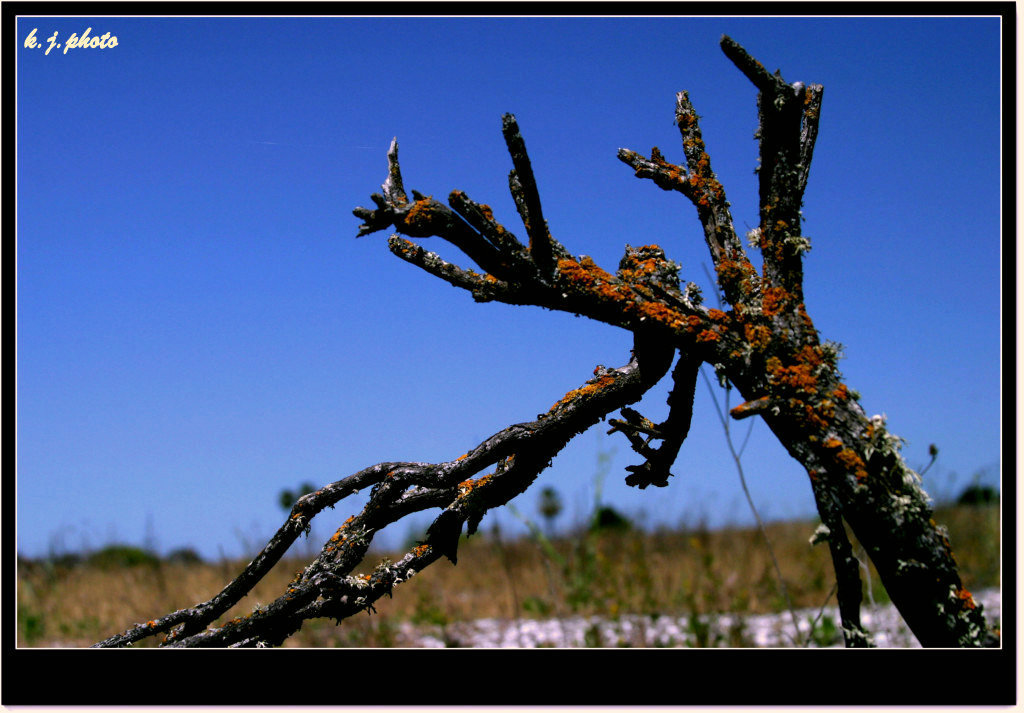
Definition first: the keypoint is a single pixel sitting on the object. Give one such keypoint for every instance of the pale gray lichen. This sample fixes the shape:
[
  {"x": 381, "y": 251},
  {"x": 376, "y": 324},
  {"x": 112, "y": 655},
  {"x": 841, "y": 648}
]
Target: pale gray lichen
[
  {"x": 904, "y": 565},
  {"x": 692, "y": 294},
  {"x": 821, "y": 534},
  {"x": 754, "y": 238},
  {"x": 357, "y": 580},
  {"x": 854, "y": 634},
  {"x": 721, "y": 374},
  {"x": 833, "y": 351},
  {"x": 797, "y": 244},
  {"x": 358, "y": 537}
]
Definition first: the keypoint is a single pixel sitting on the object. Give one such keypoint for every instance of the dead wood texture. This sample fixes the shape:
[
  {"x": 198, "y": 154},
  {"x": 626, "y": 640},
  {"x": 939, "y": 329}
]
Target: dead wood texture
[{"x": 765, "y": 344}]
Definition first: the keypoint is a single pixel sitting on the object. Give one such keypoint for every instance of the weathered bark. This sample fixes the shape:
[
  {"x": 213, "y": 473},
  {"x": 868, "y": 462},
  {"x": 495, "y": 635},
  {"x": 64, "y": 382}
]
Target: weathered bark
[{"x": 765, "y": 344}]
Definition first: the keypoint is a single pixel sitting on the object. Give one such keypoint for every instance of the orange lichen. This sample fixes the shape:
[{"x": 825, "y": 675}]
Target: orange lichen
[
  {"x": 707, "y": 335},
  {"x": 591, "y": 387},
  {"x": 841, "y": 393},
  {"x": 966, "y": 600},
  {"x": 615, "y": 292},
  {"x": 747, "y": 407},
  {"x": 421, "y": 210},
  {"x": 826, "y": 409},
  {"x": 467, "y": 486},
  {"x": 810, "y": 355},
  {"x": 758, "y": 336},
  {"x": 799, "y": 377},
  {"x": 736, "y": 272},
  {"x": 633, "y": 267},
  {"x": 686, "y": 120},
  {"x": 801, "y": 311},
  {"x": 773, "y": 300},
  {"x": 833, "y": 443},
  {"x": 663, "y": 314},
  {"x": 586, "y": 274},
  {"x": 717, "y": 315},
  {"x": 574, "y": 272},
  {"x": 420, "y": 550},
  {"x": 849, "y": 458},
  {"x": 819, "y": 415},
  {"x": 590, "y": 266}
]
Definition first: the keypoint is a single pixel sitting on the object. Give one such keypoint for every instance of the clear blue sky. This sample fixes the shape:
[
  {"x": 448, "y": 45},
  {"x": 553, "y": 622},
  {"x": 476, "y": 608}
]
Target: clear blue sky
[{"x": 198, "y": 327}]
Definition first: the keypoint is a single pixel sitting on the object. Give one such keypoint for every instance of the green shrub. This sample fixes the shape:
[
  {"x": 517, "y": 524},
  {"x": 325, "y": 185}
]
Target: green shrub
[
  {"x": 978, "y": 495},
  {"x": 184, "y": 555},
  {"x": 114, "y": 556}
]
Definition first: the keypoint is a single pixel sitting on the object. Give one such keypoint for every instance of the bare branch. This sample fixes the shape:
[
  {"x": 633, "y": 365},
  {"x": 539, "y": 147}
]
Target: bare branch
[
  {"x": 754, "y": 70},
  {"x": 813, "y": 95},
  {"x": 751, "y": 408},
  {"x": 482, "y": 219},
  {"x": 701, "y": 186},
  {"x": 327, "y": 586},
  {"x": 524, "y": 191},
  {"x": 483, "y": 287},
  {"x": 672, "y": 431},
  {"x": 846, "y": 566},
  {"x": 394, "y": 191}
]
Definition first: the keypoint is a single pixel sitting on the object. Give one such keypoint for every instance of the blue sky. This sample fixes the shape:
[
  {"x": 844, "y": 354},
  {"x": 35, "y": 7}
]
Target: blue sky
[{"x": 198, "y": 327}]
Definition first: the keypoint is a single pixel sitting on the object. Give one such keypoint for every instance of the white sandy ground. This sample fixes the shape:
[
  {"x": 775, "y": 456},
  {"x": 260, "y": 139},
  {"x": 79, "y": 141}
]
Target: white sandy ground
[
  {"x": 762, "y": 631},
  {"x": 774, "y": 630}
]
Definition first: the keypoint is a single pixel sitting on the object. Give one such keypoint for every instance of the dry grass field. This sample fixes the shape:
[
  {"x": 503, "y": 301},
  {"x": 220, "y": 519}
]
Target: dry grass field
[{"x": 591, "y": 573}]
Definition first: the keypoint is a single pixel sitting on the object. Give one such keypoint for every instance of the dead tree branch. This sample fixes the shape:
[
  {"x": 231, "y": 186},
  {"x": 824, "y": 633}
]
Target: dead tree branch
[{"x": 765, "y": 344}]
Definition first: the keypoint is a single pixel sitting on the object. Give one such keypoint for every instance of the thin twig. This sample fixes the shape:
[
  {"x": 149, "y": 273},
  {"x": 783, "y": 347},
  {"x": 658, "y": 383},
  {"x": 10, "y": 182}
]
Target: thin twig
[{"x": 723, "y": 417}]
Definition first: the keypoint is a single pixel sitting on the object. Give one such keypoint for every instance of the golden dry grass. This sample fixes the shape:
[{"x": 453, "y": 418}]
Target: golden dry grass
[{"x": 672, "y": 573}]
